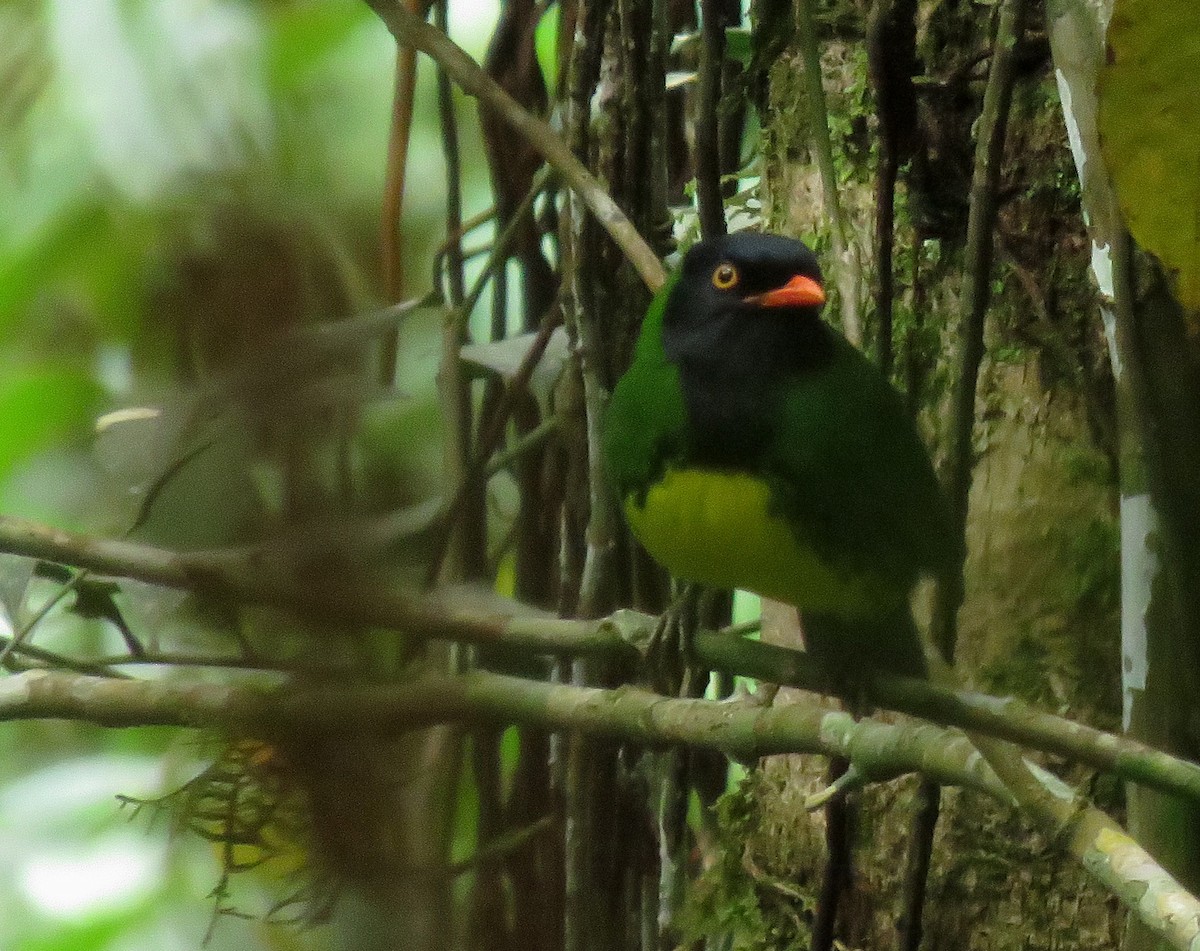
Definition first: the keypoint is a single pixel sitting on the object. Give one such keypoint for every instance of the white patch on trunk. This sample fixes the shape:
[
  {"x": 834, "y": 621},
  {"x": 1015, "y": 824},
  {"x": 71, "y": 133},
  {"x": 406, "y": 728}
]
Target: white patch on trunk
[{"x": 1139, "y": 566}]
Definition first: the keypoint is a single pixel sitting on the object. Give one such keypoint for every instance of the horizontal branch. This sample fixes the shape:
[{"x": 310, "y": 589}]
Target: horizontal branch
[
  {"x": 1002, "y": 717},
  {"x": 743, "y": 730},
  {"x": 251, "y": 577}
]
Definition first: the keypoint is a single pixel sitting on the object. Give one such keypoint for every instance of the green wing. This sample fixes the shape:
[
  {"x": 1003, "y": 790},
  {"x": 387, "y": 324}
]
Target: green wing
[
  {"x": 645, "y": 426},
  {"x": 850, "y": 473}
]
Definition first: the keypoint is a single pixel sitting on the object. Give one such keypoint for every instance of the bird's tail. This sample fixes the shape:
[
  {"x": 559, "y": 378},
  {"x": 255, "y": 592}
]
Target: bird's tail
[{"x": 850, "y": 649}]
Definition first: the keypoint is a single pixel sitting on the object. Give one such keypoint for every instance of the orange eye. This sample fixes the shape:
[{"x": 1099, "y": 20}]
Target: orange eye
[{"x": 725, "y": 276}]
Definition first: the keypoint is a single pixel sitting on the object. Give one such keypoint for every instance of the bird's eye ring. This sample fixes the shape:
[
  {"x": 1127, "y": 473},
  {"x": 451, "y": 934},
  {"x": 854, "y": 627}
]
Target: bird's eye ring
[{"x": 725, "y": 276}]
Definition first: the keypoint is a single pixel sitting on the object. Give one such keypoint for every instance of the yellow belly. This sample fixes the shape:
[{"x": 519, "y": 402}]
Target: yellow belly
[{"x": 716, "y": 528}]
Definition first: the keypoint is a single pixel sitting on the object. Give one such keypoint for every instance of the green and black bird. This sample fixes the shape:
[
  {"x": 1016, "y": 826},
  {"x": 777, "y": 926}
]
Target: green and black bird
[{"x": 754, "y": 447}]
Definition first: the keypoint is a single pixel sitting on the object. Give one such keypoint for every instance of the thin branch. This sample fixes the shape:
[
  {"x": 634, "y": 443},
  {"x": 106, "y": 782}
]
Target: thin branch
[
  {"x": 452, "y": 246},
  {"x": 524, "y": 444},
  {"x": 708, "y": 136},
  {"x": 391, "y": 235},
  {"x": 462, "y": 554},
  {"x": 989, "y": 154},
  {"x": 1107, "y": 851},
  {"x": 473, "y": 80},
  {"x": 17, "y": 641},
  {"x": 52, "y": 659},
  {"x": 493, "y": 432}
]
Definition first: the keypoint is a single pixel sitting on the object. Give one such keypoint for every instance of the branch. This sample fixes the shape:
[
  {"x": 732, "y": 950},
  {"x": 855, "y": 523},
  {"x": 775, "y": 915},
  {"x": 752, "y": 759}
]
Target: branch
[
  {"x": 391, "y": 234},
  {"x": 1007, "y": 719},
  {"x": 241, "y": 576},
  {"x": 879, "y": 751},
  {"x": 746, "y": 731},
  {"x": 410, "y": 29},
  {"x": 1102, "y": 847}
]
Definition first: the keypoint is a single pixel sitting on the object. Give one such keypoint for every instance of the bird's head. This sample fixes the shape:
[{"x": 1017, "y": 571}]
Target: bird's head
[{"x": 758, "y": 295}]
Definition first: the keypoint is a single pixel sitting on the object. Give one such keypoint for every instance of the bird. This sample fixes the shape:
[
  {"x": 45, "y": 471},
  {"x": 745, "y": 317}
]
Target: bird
[{"x": 752, "y": 446}]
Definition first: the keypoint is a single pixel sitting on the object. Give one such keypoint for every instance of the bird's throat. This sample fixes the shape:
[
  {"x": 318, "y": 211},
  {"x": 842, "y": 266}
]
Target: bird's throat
[{"x": 731, "y": 416}]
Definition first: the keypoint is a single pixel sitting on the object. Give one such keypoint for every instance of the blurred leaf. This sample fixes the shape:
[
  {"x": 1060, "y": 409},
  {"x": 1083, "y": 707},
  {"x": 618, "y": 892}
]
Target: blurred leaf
[
  {"x": 15, "y": 574},
  {"x": 504, "y": 357},
  {"x": 93, "y": 932},
  {"x": 304, "y": 35},
  {"x": 209, "y": 500},
  {"x": 170, "y": 90},
  {"x": 545, "y": 44},
  {"x": 1150, "y": 130},
  {"x": 24, "y": 63},
  {"x": 41, "y": 407},
  {"x": 737, "y": 44}
]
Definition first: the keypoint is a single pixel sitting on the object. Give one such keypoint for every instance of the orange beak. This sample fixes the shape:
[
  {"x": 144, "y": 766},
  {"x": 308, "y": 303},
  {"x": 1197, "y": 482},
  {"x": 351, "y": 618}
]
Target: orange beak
[{"x": 800, "y": 291}]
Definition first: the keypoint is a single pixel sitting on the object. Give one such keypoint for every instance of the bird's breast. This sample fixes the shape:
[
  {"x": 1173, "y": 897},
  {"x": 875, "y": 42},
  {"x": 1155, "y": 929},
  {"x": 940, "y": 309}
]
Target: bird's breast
[{"x": 718, "y": 528}]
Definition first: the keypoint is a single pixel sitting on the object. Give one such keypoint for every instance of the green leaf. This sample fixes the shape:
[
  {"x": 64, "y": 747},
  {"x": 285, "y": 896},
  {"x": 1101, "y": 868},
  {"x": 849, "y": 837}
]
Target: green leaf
[
  {"x": 41, "y": 407},
  {"x": 1150, "y": 130},
  {"x": 302, "y": 36},
  {"x": 545, "y": 44}
]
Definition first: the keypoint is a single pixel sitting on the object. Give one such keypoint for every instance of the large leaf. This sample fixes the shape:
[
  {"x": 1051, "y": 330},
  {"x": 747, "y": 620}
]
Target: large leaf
[
  {"x": 504, "y": 357},
  {"x": 1150, "y": 130}
]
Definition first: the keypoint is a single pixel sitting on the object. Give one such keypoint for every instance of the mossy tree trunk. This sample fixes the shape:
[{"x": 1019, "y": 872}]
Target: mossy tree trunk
[
  {"x": 1156, "y": 387},
  {"x": 1040, "y": 616}
]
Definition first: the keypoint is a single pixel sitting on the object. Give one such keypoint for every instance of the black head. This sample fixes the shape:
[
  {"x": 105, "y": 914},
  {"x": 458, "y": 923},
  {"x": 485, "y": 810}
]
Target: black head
[
  {"x": 743, "y": 318},
  {"x": 754, "y": 296}
]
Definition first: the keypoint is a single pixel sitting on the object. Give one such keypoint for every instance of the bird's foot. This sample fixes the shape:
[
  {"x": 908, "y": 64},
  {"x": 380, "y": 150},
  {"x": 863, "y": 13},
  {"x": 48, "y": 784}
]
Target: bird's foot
[{"x": 670, "y": 650}]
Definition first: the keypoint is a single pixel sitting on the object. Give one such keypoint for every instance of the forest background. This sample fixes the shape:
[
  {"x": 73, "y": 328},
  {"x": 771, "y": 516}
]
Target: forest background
[{"x": 292, "y": 335}]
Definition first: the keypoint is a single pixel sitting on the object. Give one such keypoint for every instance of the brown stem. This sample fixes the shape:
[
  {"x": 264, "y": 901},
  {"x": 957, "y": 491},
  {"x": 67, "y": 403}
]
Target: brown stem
[{"x": 391, "y": 235}]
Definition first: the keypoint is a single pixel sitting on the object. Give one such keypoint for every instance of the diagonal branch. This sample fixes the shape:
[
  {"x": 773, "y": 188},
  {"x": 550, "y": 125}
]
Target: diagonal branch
[{"x": 410, "y": 29}]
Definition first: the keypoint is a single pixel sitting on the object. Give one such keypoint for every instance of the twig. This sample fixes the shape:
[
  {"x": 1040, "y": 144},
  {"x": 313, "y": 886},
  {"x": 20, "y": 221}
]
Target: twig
[
  {"x": 1101, "y": 846},
  {"x": 891, "y": 63},
  {"x": 391, "y": 236},
  {"x": 462, "y": 553},
  {"x": 917, "y": 860},
  {"x": 452, "y": 245},
  {"x": 835, "y": 880},
  {"x": 492, "y": 433},
  {"x": 524, "y": 444},
  {"x": 56, "y": 661},
  {"x": 18, "y": 639},
  {"x": 454, "y": 240},
  {"x": 473, "y": 80}
]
